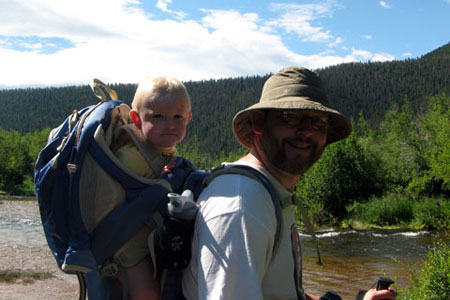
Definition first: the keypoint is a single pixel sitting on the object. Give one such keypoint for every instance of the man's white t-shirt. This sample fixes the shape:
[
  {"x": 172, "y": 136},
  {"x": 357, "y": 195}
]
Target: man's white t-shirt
[{"x": 232, "y": 248}]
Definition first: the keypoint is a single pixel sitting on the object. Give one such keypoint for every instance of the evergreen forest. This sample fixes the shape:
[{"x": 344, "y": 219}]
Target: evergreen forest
[{"x": 394, "y": 170}]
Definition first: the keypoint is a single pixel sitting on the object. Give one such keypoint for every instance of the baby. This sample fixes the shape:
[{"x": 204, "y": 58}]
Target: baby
[{"x": 160, "y": 112}]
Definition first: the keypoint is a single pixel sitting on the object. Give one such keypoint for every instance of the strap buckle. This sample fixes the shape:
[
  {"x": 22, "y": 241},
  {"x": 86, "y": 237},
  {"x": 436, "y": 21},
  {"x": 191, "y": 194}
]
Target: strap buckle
[{"x": 109, "y": 270}]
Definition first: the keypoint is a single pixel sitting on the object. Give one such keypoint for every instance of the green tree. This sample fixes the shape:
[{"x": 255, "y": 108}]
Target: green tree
[
  {"x": 397, "y": 145},
  {"x": 435, "y": 146},
  {"x": 16, "y": 161},
  {"x": 36, "y": 141},
  {"x": 344, "y": 174}
]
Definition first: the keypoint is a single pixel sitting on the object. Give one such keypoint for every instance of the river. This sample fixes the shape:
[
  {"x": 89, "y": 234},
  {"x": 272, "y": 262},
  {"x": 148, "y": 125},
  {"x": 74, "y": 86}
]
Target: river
[{"x": 352, "y": 260}]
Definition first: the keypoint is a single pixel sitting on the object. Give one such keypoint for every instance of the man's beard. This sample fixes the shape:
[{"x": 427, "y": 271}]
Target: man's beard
[{"x": 276, "y": 154}]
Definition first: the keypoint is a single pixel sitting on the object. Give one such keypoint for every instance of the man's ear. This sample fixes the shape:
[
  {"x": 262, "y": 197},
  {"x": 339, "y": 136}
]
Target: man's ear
[
  {"x": 134, "y": 116},
  {"x": 258, "y": 121}
]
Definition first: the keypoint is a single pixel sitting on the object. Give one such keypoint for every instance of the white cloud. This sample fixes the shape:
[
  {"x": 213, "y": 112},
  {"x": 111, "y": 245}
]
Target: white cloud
[
  {"x": 299, "y": 19},
  {"x": 117, "y": 41},
  {"x": 34, "y": 46},
  {"x": 358, "y": 54},
  {"x": 367, "y": 37},
  {"x": 162, "y": 5},
  {"x": 336, "y": 42},
  {"x": 384, "y": 4},
  {"x": 382, "y": 57},
  {"x": 123, "y": 44},
  {"x": 364, "y": 55}
]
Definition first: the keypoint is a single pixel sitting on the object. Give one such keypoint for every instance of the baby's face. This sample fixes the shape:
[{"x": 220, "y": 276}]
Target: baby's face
[{"x": 164, "y": 121}]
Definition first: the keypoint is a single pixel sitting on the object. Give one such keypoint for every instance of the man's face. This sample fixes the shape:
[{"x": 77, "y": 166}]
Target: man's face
[{"x": 293, "y": 140}]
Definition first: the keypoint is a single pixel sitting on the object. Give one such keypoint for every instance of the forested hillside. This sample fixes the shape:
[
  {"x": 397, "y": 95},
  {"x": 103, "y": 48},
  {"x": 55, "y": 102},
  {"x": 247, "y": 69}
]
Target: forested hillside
[
  {"x": 439, "y": 52},
  {"x": 371, "y": 88}
]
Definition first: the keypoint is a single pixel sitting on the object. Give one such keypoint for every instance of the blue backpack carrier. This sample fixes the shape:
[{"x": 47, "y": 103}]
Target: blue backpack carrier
[{"x": 77, "y": 166}]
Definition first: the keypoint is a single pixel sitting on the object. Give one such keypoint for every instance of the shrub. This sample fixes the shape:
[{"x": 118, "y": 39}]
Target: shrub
[
  {"x": 432, "y": 280},
  {"x": 433, "y": 213},
  {"x": 392, "y": 209}
]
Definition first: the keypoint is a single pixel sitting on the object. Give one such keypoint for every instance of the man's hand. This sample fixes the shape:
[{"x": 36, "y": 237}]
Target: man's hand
[
  {"x": 309, "y": 296},
  {"x": 373, "y": 294}
]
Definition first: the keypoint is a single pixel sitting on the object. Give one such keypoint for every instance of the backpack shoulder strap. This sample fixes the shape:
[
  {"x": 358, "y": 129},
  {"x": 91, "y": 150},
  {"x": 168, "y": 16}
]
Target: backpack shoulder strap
[{"x": 258, "y": 176}]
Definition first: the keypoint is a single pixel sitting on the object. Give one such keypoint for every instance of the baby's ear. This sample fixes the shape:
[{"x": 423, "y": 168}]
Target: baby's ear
[
  {"x": 134, "y": 116},
  {"x": 189, "y": 117}
]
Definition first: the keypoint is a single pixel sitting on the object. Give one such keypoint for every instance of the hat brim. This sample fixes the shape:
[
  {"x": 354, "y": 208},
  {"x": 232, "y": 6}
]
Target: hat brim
[{"x": 339, "y": 127}]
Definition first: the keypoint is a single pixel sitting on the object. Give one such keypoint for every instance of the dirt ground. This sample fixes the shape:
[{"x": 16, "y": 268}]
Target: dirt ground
[
  {"x": 61, "y": 286},
  {"x": 19, "y": 253}
]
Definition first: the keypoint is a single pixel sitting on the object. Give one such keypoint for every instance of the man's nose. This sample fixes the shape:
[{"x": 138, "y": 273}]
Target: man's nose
[{"x": 305, "y": 126}]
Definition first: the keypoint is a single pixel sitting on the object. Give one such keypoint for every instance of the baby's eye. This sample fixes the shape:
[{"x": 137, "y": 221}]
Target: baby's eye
[
  {"x": 178, "y": 117},
  {"x": 156, "y": 116}
]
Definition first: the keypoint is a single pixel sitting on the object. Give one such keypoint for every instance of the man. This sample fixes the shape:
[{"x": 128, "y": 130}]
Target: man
[{"x": 233, "y": 253}]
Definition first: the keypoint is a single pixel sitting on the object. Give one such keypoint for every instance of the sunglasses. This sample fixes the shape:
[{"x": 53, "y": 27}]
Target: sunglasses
[{"x": 296, "y": 119}]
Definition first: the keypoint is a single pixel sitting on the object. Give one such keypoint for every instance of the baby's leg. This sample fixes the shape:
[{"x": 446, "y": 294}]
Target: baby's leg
[{"x": 142, "y": 285}]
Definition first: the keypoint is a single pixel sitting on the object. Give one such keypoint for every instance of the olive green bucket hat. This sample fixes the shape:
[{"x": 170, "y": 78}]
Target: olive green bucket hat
[{"x": 292, "y": 88}]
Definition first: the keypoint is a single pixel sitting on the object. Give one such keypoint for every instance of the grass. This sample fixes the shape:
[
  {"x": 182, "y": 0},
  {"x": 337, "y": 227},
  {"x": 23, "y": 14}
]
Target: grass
[
  {"x": 17, "y": 198},
  {"x": 22, "y": 276},
  {"x": 399, "y": 211}
]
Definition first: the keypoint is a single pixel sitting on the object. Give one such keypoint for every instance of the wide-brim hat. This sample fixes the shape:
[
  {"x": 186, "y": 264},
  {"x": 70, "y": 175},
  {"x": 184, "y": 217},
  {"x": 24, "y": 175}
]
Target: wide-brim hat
[{"x": 292, "y": 88}]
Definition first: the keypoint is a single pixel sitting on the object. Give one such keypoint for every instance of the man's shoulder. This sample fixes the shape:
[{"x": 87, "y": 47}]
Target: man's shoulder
[
  {"x": 283, "y": 194},
  {"x": 232, "y": 181},
  {"x": 234, "y": 192}
]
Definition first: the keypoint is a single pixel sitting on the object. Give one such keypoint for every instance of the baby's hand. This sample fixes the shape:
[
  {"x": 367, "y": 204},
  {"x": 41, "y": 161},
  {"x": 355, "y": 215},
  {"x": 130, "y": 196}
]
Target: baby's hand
[{"x": 167, "y": 168}]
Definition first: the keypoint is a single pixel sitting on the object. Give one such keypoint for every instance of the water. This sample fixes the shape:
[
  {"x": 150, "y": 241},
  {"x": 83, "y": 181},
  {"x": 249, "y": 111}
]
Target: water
[
  {"x": 352, "y": 260},
  {"x": 20, "y": 223}
]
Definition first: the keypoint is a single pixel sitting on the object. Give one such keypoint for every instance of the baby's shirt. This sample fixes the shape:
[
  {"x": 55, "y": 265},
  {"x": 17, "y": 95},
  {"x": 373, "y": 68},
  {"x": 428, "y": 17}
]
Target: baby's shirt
[{"x": 132, "y": 157}]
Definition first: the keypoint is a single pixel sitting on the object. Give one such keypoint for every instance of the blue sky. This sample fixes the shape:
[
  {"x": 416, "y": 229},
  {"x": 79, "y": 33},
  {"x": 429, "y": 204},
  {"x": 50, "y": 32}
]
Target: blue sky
[{"x": 65, "y": 42}]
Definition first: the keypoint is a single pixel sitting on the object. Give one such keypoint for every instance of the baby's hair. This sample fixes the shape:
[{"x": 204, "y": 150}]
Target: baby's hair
[{"x": 156, "y": 88}]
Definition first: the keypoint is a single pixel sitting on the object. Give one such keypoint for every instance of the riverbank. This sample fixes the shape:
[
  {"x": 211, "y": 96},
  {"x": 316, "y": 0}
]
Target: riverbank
[{"x": 25, "y": 258}]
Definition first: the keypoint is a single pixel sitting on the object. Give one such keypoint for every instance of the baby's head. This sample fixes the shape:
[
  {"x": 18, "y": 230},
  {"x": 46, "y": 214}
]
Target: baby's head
[{"x": 161, "y": 109}]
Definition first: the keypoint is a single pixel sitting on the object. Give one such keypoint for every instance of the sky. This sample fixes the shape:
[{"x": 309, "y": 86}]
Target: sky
[{"x": 70, "y": 42}]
